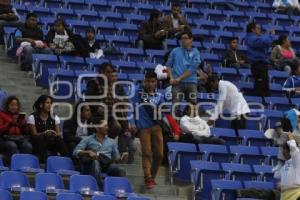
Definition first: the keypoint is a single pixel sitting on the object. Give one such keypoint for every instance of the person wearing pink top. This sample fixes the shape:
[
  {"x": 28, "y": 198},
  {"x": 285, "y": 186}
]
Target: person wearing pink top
[{"x": 283, "y": 54}]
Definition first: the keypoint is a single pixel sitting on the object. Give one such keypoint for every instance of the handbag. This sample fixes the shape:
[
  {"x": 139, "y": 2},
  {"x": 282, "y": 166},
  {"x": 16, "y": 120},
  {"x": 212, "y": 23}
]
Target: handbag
[{"x": 104, "y": 161}]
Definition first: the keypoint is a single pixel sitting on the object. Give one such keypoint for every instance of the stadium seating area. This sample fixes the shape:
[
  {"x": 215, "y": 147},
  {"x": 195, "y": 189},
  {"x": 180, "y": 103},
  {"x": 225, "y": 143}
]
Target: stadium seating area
[{"x": 214, "y": 170}]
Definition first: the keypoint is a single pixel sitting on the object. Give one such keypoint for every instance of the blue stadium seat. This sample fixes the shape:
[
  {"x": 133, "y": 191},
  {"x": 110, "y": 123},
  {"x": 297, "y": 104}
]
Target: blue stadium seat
[
  {"x": 259, "y": 185},
  {"x": 105, "y": 28},
  {"x": 40, "y": 11},
  {"x": 68, "y": 196},
  {"x": 114, "y": 185},
  {"x": 225, "y": 189},
  {"x": 76, "y": 4},
  {"x": 3, "y": 96},
  {"x": 126, "y": 66},
  {"x": 138, "y": 198},
  {"x": 142, "y": 8},
  {"x": 87, "y": 15},
  {"x": 229, "y": 74},
  {"x": 136, "y": 78},
  {"x": 192, "y": 13},
  {"x": 272, "y": 116},
  {"x": 270, "y": 154},
  {"x": 254, "y": 138},
  {"x": 146, "y": 66},
  {"x": 276, "y": 90},
  {"x": 241, "y": 172},
  {"x": 118, "y": 41},
  {"x": 14, "y": 181},
  {"x": 98, "y": 5},
  {"x": 78, "y": 26},
  {"x": 53, "y": 3},
  {"x": 26, "y": 163},
  {"x": 179, "y": 156},
  {"x": 94, "y": 64},
  {"x": 122, "y": 7},
  {"x": 33, "y": 195},
  {"x": 64, "y": 13},
  {"x": 73, "y": 62},
  {"x": 278, "y": 76},
  {"x": 279, "y": 103},
  {"x": 49, "y": 183},
  {"x": 134, "y": 18},
  {"x": 47, "y": 22},
  {"x": 84, "y": 184},
  {"x": 61, "y": 165},
  {"x": 215, "y": 153},
  {"x": 156, "y": 56},
  {"x": 5, "y": 195},
  {"x": 247, "y": 155},
  {"x": 228, "y": 135},
  {"x": 127, "y": 29},
  {"x": 202, "y": 172},
  {"x": 104, "y": 197},
  {"x": 111, "y": 17},
  {"x": 133, "y": 54},
  {"x": 265, "y": 172}
]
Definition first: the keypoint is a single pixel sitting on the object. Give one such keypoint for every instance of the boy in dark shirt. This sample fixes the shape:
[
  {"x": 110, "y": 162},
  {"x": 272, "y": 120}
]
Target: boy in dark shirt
[{"x": 92, "y": 47}]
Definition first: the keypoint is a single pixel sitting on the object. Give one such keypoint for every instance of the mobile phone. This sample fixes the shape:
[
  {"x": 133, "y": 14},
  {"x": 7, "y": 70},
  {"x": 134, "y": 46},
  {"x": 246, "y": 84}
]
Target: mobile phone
[{"x": 21, "y": 116}]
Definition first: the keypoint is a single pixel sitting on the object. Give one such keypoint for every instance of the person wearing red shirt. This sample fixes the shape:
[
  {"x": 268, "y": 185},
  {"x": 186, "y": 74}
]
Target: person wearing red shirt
[{"x": 13, "y": 128}]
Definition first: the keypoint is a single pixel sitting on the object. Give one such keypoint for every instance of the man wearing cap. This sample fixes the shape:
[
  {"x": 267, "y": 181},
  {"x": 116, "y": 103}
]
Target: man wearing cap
[{"x": 97, "y": 153}]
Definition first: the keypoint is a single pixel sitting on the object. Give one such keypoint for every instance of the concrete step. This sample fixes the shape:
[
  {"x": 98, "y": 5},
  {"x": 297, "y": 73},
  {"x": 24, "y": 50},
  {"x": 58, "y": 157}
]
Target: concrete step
[
  {"x": 167, "y": 191},
  {"x": 136, "y": 169},
  {"x": 139, "y": 180},
  {"x": 155, "y": 197}
]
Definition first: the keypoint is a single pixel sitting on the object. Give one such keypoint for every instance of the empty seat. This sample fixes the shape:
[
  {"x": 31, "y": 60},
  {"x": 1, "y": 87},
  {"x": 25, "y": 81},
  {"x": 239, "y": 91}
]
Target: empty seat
[
  {"x": 228, "y": 135},
  {"x": 225, "y": 189},
  {"x": 254, "y": 138},
  {"x": 104, "y": 197},
  {"x": 215, "y": 153},
  {"x": 76, "y": 4},
  {"x": 278, "y": 103},
  {"x": 247, "y": 155},
  {"x": 259, "y": 185},
  {"x": 84, "y": 184},
  {"x": 33, "y": 195},
  {"x": 68, "y": 196},
  {"x": 239, "y": 172},
  {"x": 14, "y": 181},
  {"x": 60, "y": 165},
  {"x": 49, "y": 183},
  {"x": 179, "y": 157},
  {"x": 5, "y": 195},
  {"x": 265, "y": 172},
  {"x": 138, "y": 198},
  {"x": 114, "y": 185},
  {"x": 73, "y": 62},
  {"x": 270, "y": 153},
  {"x": 25, "y": 163},
  {"x": 202, "y": 172},
  {"x": 64, "y": 13}
]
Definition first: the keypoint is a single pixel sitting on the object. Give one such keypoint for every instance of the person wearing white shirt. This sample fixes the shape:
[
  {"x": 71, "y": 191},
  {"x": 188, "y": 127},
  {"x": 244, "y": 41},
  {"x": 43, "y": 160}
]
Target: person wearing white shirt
[
  {"x": 196, "y": 130},
  {"x": 289, "y": 174},
  {"x": 230, "y": 100}
]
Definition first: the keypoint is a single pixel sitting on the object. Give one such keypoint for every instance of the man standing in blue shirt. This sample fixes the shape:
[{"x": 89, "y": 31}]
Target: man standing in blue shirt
[
  {"x": 182, "y": 67},
  {"x": 258, "y": 55},
  {"x": 97, "y": 153}
]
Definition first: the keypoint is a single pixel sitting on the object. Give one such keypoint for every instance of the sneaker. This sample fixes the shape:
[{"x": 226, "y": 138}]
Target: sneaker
[{"x": 149, "y": 183}]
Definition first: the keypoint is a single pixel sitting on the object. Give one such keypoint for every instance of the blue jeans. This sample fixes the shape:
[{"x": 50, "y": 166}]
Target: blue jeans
[
  {"x": 11, "y": 147},
  {"x": 27, "y": 58}
]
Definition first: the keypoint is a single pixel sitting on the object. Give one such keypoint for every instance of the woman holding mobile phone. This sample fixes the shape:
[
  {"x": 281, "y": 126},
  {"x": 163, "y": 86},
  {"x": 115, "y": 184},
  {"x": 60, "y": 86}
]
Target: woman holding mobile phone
[
  {"x": 45, "y": 131},
  {"x": 13, "y": 128}
]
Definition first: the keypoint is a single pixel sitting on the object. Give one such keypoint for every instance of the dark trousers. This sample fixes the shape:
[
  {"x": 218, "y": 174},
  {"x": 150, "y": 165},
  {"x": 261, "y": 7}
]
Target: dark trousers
[
  {"x": 93, "y": 167},
  {"x": 239, "y": 123},
  {"x": 259, "y": 72},
  {"x": 126, "y": 144},
  {"x": 42, "y": 144}
]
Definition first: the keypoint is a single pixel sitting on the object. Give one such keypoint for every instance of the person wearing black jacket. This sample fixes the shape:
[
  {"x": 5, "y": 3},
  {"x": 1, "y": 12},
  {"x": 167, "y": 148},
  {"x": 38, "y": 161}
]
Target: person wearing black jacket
[
  {"x": 8, "y": 17},
  {"x": 32, "y": 36},
  {"x": 232, "y": 57},
  {"x": 73, "y": 132},
  {"x": 91, "y": 46}
]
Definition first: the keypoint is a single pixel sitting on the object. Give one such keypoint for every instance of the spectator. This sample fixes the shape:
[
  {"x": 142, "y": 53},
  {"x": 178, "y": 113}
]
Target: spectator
[
  {"x": 289, "y": 175},
  {"x": 13, "y": 128},
  {"x": 192, "y": 125},
  {"x": 292, "y": 84},
  {"x": 98, "y": 152},
  {"x": 283, "y": 54},
  {"x": 231, "y": 100},
  {"x": 45, "y": 131},
  {"x": 258, "y": 56},
  {"x": 232, "y": 57},
  {"x": 182, "y": 67},
  {"x": 150, "y": 132},
  {"x": 74, "y": 132},
  {"x": 8, "y": 17},
  {"x": 289, "y": 6},
  {"x": 152, "y": 34},
  {"x": 30, "y": 38},
  {"x": 92, "y": 47},
  {"x": 175, "y": 23},
  {"x": 60, "y": 39}
]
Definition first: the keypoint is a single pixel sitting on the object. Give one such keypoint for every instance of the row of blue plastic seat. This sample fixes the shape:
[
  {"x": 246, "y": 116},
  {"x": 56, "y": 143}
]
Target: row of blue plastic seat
[
  {"x": 202, "y": 172},
  {"x": 36, "y": 195}
]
